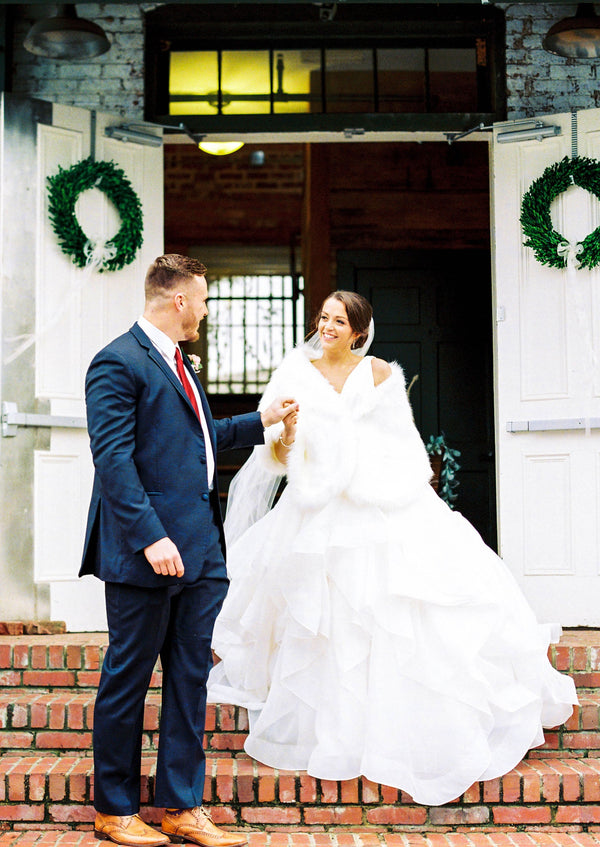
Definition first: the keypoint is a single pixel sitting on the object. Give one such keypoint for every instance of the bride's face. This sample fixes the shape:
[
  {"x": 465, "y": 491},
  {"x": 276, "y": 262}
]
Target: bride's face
[{"x": 334, "y": 327}]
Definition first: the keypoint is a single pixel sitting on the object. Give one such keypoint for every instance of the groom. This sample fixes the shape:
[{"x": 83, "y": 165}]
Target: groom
[{"x": 155, "y": 537}]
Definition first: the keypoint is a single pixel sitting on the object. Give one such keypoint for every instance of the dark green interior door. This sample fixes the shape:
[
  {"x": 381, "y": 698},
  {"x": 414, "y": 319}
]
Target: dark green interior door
[{"x": 432, "y": 313}]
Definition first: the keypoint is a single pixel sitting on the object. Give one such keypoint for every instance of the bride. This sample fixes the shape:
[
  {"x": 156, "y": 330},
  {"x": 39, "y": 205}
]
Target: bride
[{"x": 368, "y": 629}]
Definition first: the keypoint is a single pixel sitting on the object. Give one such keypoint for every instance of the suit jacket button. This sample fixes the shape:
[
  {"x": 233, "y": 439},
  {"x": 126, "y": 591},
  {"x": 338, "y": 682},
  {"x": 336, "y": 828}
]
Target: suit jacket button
[{"x": 205, "y": 496}]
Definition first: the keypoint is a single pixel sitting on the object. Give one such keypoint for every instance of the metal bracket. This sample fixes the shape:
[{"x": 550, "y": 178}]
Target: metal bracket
[
  {"x": 553, "y": 425},
  {"x": 12, "y": 419}
]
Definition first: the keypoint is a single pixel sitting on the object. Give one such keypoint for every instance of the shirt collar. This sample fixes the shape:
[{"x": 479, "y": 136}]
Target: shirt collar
[{"x": 158, "y": 338}]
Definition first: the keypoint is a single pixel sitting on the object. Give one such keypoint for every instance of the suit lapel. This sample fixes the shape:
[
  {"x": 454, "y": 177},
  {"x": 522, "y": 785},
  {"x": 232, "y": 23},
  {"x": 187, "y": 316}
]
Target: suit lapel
[{"x": 159, "y": 359}]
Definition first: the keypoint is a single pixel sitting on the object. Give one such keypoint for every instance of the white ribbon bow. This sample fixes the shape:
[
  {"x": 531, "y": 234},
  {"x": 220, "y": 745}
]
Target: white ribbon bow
[
  {"x": 98, "y": 253},
  {"x": 569, "y": 252}
]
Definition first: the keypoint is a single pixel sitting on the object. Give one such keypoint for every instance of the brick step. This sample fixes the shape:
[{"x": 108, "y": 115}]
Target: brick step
[
  {"x": 345, "y": 838},
  {"x": 60, "y": 721},
  {"x": 538, "y": 793},
  {"x": 55, "y": 661},
  {"x": 75, "y": 659}
]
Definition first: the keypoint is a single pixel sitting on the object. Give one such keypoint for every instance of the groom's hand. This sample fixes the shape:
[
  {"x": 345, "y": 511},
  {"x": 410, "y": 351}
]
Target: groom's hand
[
  {"x": 278, "y": 410},
  {"x": 164, "y": 558}
]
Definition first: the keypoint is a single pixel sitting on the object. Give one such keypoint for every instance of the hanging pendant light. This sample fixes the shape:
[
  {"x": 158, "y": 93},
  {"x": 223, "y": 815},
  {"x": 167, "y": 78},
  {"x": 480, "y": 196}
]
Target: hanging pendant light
[
  {"x": 66, "y": 36},
  {"x": 577, "y": 37}
]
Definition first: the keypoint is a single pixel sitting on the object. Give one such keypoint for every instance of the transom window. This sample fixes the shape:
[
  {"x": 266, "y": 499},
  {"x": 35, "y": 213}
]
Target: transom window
[{"x": 279, "y": 67}]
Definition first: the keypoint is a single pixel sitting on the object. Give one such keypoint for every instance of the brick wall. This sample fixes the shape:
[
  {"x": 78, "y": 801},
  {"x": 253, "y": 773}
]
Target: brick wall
[
  {"x": 538, "y": 83},
  {"x": 113, "y": 82},
  {"x": 226, "y": 200}
]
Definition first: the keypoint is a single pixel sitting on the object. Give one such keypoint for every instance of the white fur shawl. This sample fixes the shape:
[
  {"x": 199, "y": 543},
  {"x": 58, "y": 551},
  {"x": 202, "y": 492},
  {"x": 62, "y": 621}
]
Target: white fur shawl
[{"x": 361, "y": 444}]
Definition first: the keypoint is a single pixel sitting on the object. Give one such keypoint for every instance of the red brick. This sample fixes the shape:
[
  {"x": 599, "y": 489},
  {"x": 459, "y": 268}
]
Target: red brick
[
  {"x": 287, "y": 788},
  {"x": 560, "y": 657},
  {"x": 16, "y": 740},
  {"x": 453, "y": 817},
  {"x": 329, "y": 791},
  {"x": 20, "y": 656},
  {"x": 511, "y": 787},
  {"x": 226, "y": 718},
  {"x": 308, "y": 789},
  {"x": 521, "y": 814},
  {"x": 370, "y": 791},
  {"x": 266, "y": 788},
  {"x": 64, "y": 740},
  {"x": 38, "y": 656},
  {"x": 401, "y": 815},
  {"x": 59, "y": 679},
  {"x": 581, "y": 740},
  {"x": 340, "y": 815},
  {"x": 578, "y": 814},
  {"x": 223, "y": 814},
  {"x": 55, "y": 656},
  {"x": 72, "y": 814},
  {"x": 10, "y": 678},
  {"x": 227, "y": 741},
  {"x": 245, "y": 781},
  {"x": 349, "y": 791},
  {"x": 5, "y": 657},
  {"x": 21, "y": 813},
  {"x": 271, "y": 814},
  {"x": 210, "y": 722},
  {"x": 88, "y": 679}
]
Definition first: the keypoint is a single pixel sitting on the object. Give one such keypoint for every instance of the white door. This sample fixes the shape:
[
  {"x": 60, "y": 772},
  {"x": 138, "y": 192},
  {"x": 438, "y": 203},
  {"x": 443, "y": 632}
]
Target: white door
[
  {"x": 547, "y": 384},
  {"x": 78, "y": 312}
]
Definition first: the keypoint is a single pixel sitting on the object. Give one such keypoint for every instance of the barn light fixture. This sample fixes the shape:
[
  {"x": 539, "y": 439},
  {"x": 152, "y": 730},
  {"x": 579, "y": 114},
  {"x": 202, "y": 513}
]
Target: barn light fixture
[
  {"x": 577, "y": 37},
  {"x": 66, "y": 36}
]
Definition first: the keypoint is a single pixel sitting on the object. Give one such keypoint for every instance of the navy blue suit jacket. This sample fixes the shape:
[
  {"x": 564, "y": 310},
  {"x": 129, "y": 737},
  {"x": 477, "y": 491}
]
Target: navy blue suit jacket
[{"x": 150, "y": 463}]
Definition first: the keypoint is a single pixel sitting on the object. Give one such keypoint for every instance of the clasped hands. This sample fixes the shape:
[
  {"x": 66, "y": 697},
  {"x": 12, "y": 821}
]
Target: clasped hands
[{"x": 163, "y": 556}]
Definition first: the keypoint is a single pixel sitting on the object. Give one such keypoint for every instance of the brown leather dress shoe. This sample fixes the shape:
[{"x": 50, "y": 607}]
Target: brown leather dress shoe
[
  {"x": 128, "y": 830},
  {"x": 196, "y": 825}
]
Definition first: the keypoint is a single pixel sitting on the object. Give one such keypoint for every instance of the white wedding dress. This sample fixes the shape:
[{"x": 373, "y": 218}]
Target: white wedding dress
[{"x": 368, "y": 629}]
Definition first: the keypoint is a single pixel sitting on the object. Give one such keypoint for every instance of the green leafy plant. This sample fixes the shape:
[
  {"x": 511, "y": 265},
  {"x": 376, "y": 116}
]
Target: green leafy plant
[{"x": 449, "y": 466}]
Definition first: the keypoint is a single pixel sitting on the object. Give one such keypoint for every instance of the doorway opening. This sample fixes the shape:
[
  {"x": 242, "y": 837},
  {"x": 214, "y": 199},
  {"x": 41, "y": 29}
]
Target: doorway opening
[{"x": 404, "y": 223}]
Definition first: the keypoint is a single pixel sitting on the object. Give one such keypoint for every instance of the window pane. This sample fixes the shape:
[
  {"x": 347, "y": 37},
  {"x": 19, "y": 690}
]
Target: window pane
[
  {"x": 245, "y": 82},
  {"x": 453, "y": 80},
  {"x": 295, "y": 88},
  {"x": 349, "y": 81},
  {"x": 193, "y": 83},
  {"x": 401, "y": 80},
  {"x": 249, "y": 332}
]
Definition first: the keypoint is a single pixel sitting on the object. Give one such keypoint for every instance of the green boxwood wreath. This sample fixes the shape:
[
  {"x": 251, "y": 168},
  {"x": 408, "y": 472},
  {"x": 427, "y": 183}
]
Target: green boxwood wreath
[
  {"x": 65, "y": 187},
  {"x": 535, "y": 211}
]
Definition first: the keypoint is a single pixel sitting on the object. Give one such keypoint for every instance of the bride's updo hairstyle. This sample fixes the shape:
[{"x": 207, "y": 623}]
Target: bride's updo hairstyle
[{"x": 358, "y": 309}]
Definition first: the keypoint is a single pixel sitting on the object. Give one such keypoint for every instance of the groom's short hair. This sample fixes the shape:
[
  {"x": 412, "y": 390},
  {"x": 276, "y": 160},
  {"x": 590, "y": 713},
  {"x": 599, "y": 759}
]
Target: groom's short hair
[{"x": 167, "y": 272}]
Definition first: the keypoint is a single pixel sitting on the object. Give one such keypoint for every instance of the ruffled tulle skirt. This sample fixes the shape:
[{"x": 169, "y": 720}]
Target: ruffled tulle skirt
[{"x": 393, "y": 645}]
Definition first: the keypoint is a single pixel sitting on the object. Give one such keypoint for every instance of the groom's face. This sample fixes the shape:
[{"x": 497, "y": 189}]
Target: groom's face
[{"x": 195, "y": 309}]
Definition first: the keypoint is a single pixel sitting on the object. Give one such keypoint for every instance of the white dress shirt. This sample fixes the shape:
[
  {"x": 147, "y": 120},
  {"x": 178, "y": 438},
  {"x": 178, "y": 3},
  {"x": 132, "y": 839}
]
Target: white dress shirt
[{"x": 167, "y": 348}]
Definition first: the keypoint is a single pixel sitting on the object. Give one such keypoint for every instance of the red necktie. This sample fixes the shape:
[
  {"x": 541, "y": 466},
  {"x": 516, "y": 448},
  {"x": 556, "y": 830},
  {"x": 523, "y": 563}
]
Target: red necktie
[{"x": 185, "y": 381}]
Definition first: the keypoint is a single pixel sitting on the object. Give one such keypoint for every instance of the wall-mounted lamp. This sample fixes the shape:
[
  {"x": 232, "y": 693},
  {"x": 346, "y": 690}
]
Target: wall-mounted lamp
[
  {"x": 66, "y": 36},
  {"x": 538, "y": 132},
  {"x": 125, "y": 133},
  {"x": 577, "y": 37},
  {"x": 220, "y": 148}
]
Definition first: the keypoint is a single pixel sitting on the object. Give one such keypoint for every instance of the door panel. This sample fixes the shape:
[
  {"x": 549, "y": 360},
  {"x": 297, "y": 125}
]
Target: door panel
[
  {"x": 77, "y": 312},
  {"x": 548, "y": 321},
  {"x": 432, "y": 314}
]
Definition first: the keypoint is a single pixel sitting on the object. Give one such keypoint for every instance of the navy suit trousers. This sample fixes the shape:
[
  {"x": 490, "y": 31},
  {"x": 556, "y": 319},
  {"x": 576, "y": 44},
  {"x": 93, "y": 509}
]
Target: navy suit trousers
[{"x": 175, "y": 622}]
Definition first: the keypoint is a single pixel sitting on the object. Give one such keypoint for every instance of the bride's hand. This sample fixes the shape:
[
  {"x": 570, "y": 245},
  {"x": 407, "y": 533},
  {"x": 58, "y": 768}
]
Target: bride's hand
[{"x": 289, "y": 428}]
